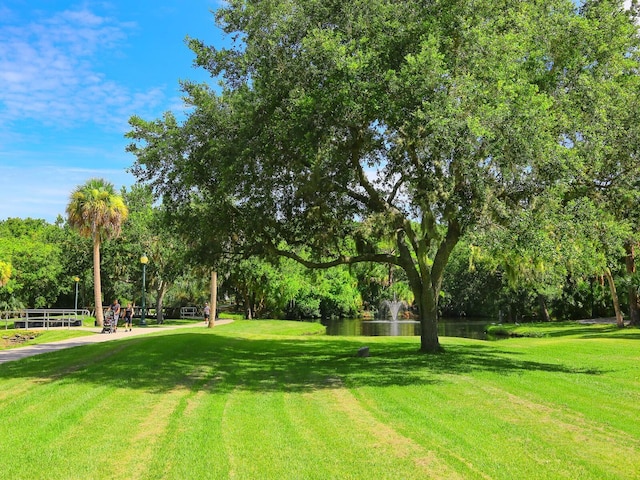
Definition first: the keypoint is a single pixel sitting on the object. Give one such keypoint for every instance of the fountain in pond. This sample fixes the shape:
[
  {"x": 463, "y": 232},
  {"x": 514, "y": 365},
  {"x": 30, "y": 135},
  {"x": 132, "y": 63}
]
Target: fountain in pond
[
  {"x": 391, "y": 308},
  {"x": 394, "y": 307},
  {"x": 389, "y": 312}
]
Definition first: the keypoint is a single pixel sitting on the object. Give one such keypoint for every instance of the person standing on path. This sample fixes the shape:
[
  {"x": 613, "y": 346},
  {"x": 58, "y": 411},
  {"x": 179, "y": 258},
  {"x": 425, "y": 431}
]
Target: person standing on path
[
  {"x": 115, "y": 308},
  {"x": 128, "y": 316},
  {"x": 207, "y": 313}
]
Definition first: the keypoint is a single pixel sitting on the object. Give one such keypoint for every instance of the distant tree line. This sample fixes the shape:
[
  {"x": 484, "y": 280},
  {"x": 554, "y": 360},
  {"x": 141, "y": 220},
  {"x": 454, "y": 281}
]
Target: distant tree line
[{"x": 41, "y": 260}]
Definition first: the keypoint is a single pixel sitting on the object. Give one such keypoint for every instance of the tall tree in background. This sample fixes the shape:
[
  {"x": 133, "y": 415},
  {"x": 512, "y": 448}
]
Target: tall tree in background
[
  {"x": 150, "y": 231},
  {"x": 31, "y": 249},
  {"x": 604, "y": 111},
  {"x": 168, "y": 256},
  {"x": 340, "y": 123},
  {"x": 97, "y": 212}
]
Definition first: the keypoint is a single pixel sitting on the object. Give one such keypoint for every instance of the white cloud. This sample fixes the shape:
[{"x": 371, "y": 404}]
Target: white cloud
[
  {"x": 49, "y": 72},
  {"x": 66, "y": 94},
  {"x": 46, "y": 193}
]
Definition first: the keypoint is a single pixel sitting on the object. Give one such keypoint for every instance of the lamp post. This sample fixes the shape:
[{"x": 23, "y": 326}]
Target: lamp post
[
  {"x": 75, "y": 307},
  {"x": 143, "y": 260}
]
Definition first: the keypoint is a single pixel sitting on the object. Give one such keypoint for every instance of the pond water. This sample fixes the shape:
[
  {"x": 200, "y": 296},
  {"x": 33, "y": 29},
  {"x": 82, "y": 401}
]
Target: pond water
[{"x": 447, "y": 327}]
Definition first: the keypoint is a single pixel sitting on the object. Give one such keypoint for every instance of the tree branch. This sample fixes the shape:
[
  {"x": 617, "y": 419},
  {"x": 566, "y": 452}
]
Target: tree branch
[
  {"x": 341, "y": 260},
  {"x": 444, "y": 250},
  {"x": 375, "y": 202},
  {"x": 394, "y": 190}
]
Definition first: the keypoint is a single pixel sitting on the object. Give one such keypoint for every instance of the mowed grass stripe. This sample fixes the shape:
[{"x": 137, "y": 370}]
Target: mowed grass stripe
[
  {"x": 241, "y": 403},
  {"x": 394, "y": 454},
  {"x": 258, "y": 439},
  {"x": 42, "y": 434},
  {"x": 266, "y": 433},
  {"x": 475, "y": 417},
  {"x": 438, "y": 418},
  {"x": 195, "y": 443},
  {"x": 101, "y": 439},
  {"x": 602, "y": 373},
  {"x": 108, "y": 428},
  {"x": 568, "y": 430},
  {"x": 192, "y": 435},
  {"x": 182, "y": 370}
]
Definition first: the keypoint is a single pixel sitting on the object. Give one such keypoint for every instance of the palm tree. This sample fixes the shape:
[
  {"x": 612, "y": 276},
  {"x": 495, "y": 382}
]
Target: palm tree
[{"x": 97, "y": 212}]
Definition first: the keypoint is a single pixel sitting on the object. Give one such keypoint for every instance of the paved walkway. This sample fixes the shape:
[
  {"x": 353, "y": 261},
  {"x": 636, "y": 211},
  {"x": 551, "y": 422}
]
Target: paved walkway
[{"x": 28, "y": 351}]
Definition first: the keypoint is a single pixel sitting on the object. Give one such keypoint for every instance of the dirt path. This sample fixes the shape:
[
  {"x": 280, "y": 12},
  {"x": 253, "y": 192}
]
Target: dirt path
[{"x": 28, "y": 351}]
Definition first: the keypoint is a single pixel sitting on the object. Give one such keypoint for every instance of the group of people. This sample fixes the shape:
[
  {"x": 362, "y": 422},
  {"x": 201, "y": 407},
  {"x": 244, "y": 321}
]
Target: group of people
[{"x": 128, "y": 315}]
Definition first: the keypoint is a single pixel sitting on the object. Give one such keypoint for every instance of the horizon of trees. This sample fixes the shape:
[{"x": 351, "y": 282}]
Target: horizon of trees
[{"x": 44, "y": 259}]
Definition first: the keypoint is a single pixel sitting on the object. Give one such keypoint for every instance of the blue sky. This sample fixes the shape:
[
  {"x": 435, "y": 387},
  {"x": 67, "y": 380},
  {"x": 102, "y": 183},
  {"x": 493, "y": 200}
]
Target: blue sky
[{"x": 71, "y": 75}]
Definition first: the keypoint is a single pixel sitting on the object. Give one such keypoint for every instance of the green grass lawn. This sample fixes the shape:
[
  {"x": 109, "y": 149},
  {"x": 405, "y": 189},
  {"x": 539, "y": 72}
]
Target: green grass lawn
[{"x": 279, "y": 400}]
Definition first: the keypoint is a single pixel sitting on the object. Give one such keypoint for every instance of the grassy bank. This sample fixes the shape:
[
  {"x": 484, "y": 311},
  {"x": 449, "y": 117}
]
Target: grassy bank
[
  {"x": 16, "y": 338},
  {"x": 261, "y": 400}
]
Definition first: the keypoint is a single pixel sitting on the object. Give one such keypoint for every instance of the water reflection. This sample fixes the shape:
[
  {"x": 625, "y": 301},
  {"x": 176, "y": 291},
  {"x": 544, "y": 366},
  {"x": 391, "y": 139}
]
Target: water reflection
[{"x": 376, "y": 328}]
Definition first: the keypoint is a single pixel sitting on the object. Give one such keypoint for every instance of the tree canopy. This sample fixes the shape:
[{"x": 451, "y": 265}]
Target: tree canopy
[
  {"x": 30, "y": 264},
  {"x": 342, "y": 123}
]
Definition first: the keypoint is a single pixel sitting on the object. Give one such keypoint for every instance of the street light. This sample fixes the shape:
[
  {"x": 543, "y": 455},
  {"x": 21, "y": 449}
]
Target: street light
[
  {"x": 76, "y": 279},
  {"x": 143, "y": 260}
]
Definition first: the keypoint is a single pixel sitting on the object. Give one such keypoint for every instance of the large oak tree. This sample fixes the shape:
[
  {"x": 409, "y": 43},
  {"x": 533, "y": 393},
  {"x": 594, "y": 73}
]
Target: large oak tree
[{"x": 338, "y": 123}]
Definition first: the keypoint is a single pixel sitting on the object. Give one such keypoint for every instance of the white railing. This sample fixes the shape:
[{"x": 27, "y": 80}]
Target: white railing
[
  {"x": 189, "y": 312},
  {"x": 9, "y": 315},
  {"x": 45, "y": 317}
]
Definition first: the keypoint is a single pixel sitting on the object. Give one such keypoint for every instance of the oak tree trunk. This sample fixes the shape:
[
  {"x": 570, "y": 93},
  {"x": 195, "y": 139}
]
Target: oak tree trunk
[
  {"x": 634, "y": 310},
  {"x": 427, "y": 303},
  {"x": 160, "y": 292},
  {"x": 614, "y": 296},
  {"x": 544, "y": 312}
]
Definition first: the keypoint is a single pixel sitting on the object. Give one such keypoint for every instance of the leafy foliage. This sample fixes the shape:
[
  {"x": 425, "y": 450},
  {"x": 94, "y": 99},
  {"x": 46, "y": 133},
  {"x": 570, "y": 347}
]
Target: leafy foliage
[
  {"x": 413, "y": 122},
  {"x": 36, "y": 272}
]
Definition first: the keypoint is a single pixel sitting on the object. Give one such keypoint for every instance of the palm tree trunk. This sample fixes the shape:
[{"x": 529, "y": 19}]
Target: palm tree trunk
[
  {"x": 97, "y": 287},
  {"x": 214, "y": 299}
]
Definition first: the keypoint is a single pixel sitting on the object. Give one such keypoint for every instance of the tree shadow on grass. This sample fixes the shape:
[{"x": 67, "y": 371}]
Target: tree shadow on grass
[
  {"x": 626, "y": 336},
  {"x": 597, "y": 331},
  {"x": 220, "y": 364}
]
